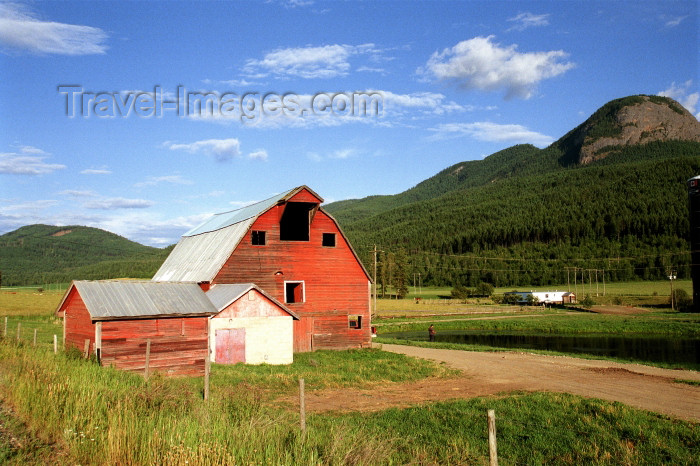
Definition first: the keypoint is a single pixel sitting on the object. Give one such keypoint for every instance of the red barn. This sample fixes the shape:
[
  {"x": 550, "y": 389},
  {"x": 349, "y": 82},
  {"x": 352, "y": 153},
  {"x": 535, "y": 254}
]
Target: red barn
[
  {"x": 295, "y": 251},
  {"x": 119, "y": 317}
]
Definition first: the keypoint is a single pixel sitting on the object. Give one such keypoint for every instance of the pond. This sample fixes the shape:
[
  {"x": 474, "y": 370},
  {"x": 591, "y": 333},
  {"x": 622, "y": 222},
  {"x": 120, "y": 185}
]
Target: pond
[{"x": 643, "y": 348}]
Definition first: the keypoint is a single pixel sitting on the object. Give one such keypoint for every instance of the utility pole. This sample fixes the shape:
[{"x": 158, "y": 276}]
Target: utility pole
[
  {"x": 375, "y": 280},
  {"x": 672, "y": 276}
]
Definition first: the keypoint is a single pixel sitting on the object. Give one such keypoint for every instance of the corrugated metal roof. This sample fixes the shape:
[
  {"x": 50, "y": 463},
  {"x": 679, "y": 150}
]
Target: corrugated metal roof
[
  {"x": 225, "y": 219},
  {"x": 221, "y": 295},
  {"x": 107, "y": 300},
  {"x": 199, "y": 258}
]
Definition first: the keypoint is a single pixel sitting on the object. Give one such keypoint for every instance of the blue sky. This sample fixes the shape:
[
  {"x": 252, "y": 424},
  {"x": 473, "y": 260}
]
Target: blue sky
[{"x": 94, "y": 130}]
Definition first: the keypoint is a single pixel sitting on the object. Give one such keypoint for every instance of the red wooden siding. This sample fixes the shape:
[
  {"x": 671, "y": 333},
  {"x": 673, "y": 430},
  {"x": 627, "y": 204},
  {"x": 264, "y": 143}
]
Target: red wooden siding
[
  {"x": 335, "y": 284},
  {"x": 78, "y": 323},
  {"x": 179, "y": 345},
  {"x": 305, "y": 196}
]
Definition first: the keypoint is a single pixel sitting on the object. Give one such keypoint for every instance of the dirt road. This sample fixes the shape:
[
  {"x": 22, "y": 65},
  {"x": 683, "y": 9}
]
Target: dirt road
[{"x": 644, "y": 387}]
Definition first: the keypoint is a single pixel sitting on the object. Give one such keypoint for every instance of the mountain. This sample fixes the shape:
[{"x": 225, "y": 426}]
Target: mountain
[
  {"x": 609, "y": 195},
  {"x": 628, "y": 121},
  {"x": 37, "y": 254}
]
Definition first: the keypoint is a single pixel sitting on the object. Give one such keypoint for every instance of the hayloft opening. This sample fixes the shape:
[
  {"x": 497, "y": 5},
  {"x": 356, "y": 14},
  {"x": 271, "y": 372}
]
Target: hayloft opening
[{"x": 294, "y": 224}]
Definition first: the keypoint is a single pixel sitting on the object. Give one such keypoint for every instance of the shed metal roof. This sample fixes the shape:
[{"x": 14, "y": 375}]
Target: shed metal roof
[
  {"x": 222, "y": 295},
  {"x": 107, "y": 300}
]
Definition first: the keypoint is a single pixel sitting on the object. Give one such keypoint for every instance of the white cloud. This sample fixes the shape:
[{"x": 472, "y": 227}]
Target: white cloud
[
  {"x": 95, "y": 171},
  {"x": 20, "y": 30},
  {"x": 260, "y": 154},
  {"x": 29, "y": 161},
  {"x": 327, "y": 61},
  {"x": 221, "y": 149},
  {"x": 682, "y": 94},
  {"x": 155, "y": 180},
  {"x": 78, "y": 193},
  {"x": 492, "y": 132},
  {"x": 526, "y": 20},
  {"x": 481, "y": 64},
  {"x": 118, "y": 203},
  {"x": 675, "y": 21}
]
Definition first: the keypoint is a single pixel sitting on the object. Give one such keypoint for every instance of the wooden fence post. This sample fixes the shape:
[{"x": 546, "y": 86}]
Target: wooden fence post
[
  {"x": 55, "y": 344},
  {"x": 86, "y": 350},
  {"x": 19, "y": 327},
  {"x": 302, "y": 407},
  {"x": 207, "y": 368},
  {"x": 148, "y": 359},
  {"x": 4, "y": 333},
  {"x": 34, "y": 337},
  {"x": 493, "y": 454}
]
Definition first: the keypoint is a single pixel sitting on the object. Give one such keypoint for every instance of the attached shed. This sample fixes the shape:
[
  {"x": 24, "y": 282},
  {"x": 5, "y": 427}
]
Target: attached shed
[
  {"x": 119, "y": 317},
  {"x": 250, "y": 327}
]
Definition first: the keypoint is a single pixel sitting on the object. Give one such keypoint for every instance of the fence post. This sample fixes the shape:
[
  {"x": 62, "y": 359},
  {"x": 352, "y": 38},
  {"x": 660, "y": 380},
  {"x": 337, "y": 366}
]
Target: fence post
[
  {"x": 207, "y": 368},
  {"x": 55, "y": 344},
  {"x": 4, "y": 333},
  {"x": 302, "y": 407},
  {"x": 148, "y": 359},
  {"x": 493, "y": 454},
  {"x": 19, "y": 326},
  {"x": 86, "y": 350},
  {"x": 34, "y": 337}
]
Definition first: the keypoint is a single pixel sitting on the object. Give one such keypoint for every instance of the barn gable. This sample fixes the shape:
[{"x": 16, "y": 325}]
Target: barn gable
[{"x": 202, "y": 252}]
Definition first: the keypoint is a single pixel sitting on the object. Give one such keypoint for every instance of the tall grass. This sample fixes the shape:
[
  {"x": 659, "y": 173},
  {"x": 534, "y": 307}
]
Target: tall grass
[{"x": 104, "y": 416}]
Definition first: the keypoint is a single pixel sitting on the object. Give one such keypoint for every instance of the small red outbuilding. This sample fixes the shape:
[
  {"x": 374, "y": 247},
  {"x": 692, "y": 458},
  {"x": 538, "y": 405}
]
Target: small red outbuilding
[{"x": 120, "y": 317}]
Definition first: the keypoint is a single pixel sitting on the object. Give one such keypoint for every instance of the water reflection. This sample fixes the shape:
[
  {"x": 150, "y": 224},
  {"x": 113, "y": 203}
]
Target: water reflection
[{"x": 656, "y": 349}]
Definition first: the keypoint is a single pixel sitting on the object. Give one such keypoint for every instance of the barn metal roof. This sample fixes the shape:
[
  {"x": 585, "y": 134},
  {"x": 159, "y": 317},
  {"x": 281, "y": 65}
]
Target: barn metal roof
[
  {"x": 107, "y": 300},
  {"x": 199, "y": 258},
  {"x": 221, "y": 295},
  {"x": 225, "y": 219}
]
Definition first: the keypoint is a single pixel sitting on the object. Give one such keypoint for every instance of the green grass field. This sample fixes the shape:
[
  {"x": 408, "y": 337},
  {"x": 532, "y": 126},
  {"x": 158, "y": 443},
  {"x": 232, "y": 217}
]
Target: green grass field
[
  {"x": 65, "y": 410},
  {"x": 62, "y": 409}
]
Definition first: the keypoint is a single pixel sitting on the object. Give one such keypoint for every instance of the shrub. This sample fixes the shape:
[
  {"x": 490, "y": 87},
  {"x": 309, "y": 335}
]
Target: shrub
[
  {"x": 484, "y": 289},
  {"x": 682, "y": 300},
  {"x": 587, "y": 301}
]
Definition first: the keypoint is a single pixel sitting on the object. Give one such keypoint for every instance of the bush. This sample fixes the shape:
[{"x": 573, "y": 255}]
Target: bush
[
  {"x": 484, "y": 289},
  {"x": 587, "y": 301},
  {"x": 461, "y": 292},
  {"x": 682, "y": 300},
  {"x": 511, "y": 298}
]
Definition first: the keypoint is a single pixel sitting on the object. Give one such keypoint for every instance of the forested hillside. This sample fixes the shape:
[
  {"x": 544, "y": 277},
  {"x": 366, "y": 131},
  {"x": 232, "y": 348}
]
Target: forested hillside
[
  {"x": 530, "y": 216},
  {"x": 38, "y": 254}
]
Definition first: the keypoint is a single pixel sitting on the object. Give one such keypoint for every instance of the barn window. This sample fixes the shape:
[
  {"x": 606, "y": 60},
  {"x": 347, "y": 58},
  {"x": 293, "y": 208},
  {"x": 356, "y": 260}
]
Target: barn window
[
  {"x": 258, "y": 238},
  {"x": 294, "y": 224},
  {"x": 328, "y": 240},
  {"x": 294, "y": 292},
  {"x": 355, "y": 321}
]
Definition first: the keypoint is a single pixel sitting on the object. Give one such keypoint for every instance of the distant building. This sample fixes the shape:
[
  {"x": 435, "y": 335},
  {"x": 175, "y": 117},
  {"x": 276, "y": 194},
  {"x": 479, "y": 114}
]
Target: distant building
[{"x": 543, "y": 297}]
